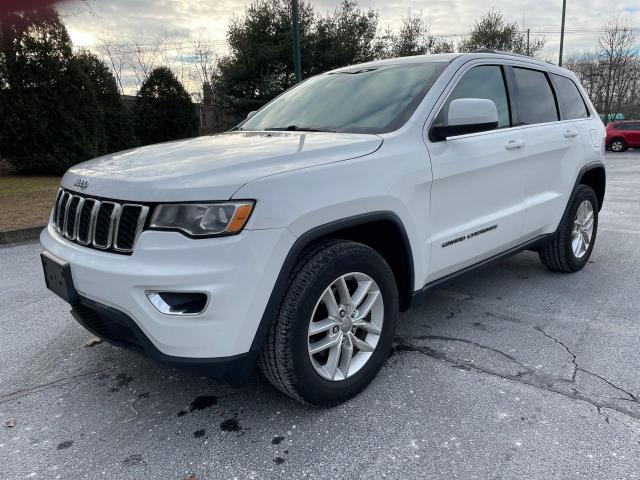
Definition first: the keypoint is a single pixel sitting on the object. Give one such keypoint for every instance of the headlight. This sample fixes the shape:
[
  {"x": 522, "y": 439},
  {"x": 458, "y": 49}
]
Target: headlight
[{"x": 203, "y": 219}]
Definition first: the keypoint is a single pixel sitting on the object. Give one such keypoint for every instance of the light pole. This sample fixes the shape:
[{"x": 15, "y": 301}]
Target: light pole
[
  {"x": 297, "y": 66},
  {"x": 564, "y": 10}
]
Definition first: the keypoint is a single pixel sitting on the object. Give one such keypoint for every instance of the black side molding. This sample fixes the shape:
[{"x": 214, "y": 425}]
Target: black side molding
[
  {"x": 531, "y": 244},
  {"x": 304, "y": 241}
]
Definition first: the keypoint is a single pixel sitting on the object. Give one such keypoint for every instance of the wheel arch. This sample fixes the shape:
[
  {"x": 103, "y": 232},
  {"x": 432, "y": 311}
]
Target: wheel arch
[
  {"x": 383, "y": 231},
  {"x": 595, "y": 176}
]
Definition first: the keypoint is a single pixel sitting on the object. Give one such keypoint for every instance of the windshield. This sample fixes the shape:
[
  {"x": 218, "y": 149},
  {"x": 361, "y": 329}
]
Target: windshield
[{"x": 376, "y": 99}]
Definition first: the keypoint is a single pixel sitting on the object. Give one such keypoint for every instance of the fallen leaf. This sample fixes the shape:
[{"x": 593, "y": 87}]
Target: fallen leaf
[
  {"x": 191, "y": 476},
  {"x": 92, "y": 341},
  {"x": 10, "y": 423}
]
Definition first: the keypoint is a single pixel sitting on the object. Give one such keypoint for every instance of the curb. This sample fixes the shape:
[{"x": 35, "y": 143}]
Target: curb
[{"x": 21, "y": 234}]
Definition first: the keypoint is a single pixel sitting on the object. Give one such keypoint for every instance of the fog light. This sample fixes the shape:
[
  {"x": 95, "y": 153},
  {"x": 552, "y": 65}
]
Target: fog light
[{"x": 179, "y": 303}]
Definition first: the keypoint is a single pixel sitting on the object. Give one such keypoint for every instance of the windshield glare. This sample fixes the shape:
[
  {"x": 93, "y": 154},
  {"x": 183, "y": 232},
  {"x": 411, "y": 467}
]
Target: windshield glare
[{"x": 375, "y": 99}]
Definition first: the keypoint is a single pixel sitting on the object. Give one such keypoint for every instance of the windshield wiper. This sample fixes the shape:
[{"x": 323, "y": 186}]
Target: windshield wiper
[{"x": 295, "y": 128}]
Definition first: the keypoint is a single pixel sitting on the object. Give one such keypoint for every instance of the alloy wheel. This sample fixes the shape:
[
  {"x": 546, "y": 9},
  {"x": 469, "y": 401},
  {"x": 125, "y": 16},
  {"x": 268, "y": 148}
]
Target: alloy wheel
[
  {"x": 617, "y": 146},
  {"x": 582, "y": 229},
  {"x": 345, "y": 326}
]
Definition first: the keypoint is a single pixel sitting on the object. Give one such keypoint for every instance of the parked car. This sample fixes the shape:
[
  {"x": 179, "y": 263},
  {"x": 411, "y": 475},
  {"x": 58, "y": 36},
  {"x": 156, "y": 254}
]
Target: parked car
[
  {"x": 295, "y": 240},
  {"x": 623, "y": 135}
]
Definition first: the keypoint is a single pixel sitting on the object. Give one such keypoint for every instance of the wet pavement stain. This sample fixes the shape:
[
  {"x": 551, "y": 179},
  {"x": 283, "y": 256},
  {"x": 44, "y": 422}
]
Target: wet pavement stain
[
  {"x": 277, "y": 440},
  {"x": 230, "y": 425},
  {"x": 122, "y": 380},
  {"x": 279, "y": 460},
  {"x": 65, "y": 444},
  {"x": 200, "y": 403},
  {"x": 199, "y": 433}
]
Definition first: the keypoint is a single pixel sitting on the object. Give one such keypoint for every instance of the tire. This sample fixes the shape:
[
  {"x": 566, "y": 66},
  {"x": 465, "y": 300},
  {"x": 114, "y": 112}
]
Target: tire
[
  {"x": 558, "y": 254},
  {"x": 286, "y": 359},
  {"x": 617, "y": 145}
]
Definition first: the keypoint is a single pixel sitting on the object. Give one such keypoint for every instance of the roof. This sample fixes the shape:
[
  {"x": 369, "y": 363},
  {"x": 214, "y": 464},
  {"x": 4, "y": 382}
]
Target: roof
[{"x": 450, "y": 57}]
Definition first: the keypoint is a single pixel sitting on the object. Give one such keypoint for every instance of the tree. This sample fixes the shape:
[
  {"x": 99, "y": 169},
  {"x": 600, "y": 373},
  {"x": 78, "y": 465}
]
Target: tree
[
  {"x": 414, "y": 38},
  {"x": 611, "y": 73},
  {"x": 345, "y": 37},
  {"x": 49, "y": 116},
  {"x": 260, "y": 63},
  {"x": 493, "y": 31},
  {"x": 164, "y": 110},
  {"x": 117, "y": 121}
]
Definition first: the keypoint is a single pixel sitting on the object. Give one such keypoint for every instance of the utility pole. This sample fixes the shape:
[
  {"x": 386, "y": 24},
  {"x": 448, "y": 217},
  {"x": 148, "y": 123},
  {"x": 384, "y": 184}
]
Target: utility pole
[
  {"x": 528, "y": 32},
  {"x": 564, "y": 10},
  {"x": 297, "y": 66}
]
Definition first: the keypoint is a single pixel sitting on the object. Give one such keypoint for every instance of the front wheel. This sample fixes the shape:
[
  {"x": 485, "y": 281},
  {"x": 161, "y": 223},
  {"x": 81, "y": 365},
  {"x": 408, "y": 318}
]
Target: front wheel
[
  {"x": 571, "y": 245},
  {"x": 335, "y": 326}
]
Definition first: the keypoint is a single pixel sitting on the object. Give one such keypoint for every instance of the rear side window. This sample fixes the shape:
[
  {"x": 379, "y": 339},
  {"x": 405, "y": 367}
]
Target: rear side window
[
  {"x": 485, "y": 81},
  {"x": 632, "y": 126},
  {"x": 534, "y": 100},
  {"x": 571, "y": 102}
]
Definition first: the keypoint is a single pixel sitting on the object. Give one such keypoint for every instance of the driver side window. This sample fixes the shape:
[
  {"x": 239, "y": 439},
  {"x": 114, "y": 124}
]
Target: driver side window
[{"x": 485, "y": 81}]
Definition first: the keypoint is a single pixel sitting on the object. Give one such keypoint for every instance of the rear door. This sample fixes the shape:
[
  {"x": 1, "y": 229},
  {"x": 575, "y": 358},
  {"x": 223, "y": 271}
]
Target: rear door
[
  {"x": 477, "y": 194},
  {"x": 554, "y": 152}
]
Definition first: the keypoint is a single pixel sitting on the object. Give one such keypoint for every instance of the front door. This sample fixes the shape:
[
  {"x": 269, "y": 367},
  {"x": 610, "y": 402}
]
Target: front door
[{"x": 477, "y": 194}]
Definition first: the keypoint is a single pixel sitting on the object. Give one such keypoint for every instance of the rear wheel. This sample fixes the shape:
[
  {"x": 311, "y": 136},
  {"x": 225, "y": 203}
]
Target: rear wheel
[
  {"x": 571, "y": 245},
  {"x": 335, "y": 326},
  {"x": 618, "y": 145}
]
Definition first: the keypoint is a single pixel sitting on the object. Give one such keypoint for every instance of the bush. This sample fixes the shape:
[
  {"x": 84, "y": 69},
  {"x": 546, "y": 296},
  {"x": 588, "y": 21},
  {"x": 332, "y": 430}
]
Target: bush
[
  {"x": 49, "y": 115},
  {"x": 164, "y": 109},
  {"x": 118, "y": 122}
]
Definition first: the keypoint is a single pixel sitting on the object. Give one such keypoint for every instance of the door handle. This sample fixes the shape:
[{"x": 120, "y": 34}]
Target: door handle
[
  {"x": 570, "y": 134},
  {"x": 514, "y": 144}
]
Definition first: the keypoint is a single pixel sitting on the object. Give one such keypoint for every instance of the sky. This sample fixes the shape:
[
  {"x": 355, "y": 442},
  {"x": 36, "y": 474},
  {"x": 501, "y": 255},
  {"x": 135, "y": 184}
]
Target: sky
[{"x": 88, "y": 21}]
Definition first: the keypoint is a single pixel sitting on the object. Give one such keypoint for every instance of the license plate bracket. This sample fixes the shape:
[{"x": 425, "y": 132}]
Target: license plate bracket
[{"x": 57, "y": 276}]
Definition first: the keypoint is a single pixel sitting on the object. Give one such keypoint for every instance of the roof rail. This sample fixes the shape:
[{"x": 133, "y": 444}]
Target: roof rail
[
  {"x": 511, "y": 54},
  {"x": 499, "y": 52}
]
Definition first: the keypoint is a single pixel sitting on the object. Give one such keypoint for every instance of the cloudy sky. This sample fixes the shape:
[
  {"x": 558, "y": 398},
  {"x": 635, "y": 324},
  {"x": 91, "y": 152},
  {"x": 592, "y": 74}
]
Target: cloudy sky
[{"x": 119, "y": 20}]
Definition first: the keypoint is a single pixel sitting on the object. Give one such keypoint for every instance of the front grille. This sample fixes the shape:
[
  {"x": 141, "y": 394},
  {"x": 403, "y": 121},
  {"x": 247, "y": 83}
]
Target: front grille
[{"x": 96, "y": 223}]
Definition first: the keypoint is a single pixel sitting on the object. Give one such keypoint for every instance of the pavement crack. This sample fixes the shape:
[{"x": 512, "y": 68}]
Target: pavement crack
[
  {"x": 574, "y": 358},
  {"x": 527, "y": 376},
  {"x": 8, "y": 397}
]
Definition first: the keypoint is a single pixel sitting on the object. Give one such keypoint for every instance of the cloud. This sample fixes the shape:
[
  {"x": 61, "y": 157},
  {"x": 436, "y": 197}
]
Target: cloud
[{"x": 186, "y": 19}]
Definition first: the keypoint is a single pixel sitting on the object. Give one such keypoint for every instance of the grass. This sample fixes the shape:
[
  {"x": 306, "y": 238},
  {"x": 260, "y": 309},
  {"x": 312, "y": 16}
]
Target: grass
[{"x": 26, "y": 201}]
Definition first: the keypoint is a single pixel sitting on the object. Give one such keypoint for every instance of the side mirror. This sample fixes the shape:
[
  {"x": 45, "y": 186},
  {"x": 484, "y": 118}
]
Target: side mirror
[
  {"x": 251, "y": 114},
  {"x": 467, "y": 115}
]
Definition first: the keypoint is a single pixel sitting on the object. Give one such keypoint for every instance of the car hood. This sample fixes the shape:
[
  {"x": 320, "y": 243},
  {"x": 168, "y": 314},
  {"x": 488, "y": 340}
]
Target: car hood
[{"x": 211, "y": 167}]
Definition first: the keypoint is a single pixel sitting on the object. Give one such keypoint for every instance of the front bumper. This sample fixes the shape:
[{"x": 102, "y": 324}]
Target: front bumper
[{"x": 238, "y": 273}]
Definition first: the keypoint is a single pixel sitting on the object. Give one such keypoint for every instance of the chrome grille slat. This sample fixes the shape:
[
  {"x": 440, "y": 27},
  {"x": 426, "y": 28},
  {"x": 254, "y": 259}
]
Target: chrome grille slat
[{"x": 104, "y": 229}]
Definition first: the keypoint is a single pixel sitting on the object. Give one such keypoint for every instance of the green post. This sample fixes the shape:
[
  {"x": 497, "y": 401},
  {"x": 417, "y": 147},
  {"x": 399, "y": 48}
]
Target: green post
[
  {"x": 297, "y": 65},
  {"x": 564, "y": 10}
]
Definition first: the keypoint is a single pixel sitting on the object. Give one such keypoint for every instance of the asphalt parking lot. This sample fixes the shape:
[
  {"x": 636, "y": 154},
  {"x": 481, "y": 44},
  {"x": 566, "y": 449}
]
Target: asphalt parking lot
[{"x": 514, "y": 372}]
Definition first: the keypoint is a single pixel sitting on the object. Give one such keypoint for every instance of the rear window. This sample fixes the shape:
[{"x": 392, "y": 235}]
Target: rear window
[
  {"x": 534, "y": 100},
  {"x": 571, "y": 102}
]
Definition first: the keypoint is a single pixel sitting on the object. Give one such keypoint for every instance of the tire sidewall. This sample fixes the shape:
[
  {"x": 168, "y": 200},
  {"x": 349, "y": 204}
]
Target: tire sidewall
[
  {"x": 583, "y": 193},
  {"x": 314, "y": 388}
]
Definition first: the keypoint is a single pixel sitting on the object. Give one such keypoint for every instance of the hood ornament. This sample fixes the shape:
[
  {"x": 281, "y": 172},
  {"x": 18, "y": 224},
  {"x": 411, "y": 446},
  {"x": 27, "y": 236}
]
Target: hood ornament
[{"x": 81, "y": 183}]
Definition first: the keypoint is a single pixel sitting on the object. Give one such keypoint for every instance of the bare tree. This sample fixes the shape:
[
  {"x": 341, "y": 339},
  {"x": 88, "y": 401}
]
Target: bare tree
[
  {"x": 619, "y": 62},
  {"x": 115, "y": 57},
  {"x": 204, "y": 59},
  {"x": 611, "y": 73}
]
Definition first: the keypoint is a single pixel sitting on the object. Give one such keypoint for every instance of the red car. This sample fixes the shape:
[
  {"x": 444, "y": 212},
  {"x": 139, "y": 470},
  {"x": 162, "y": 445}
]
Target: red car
[{"x": 623, "y": 135}]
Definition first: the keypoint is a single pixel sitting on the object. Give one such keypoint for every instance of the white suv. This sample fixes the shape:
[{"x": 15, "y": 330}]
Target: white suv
[{"x": 296, "y": 238}]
